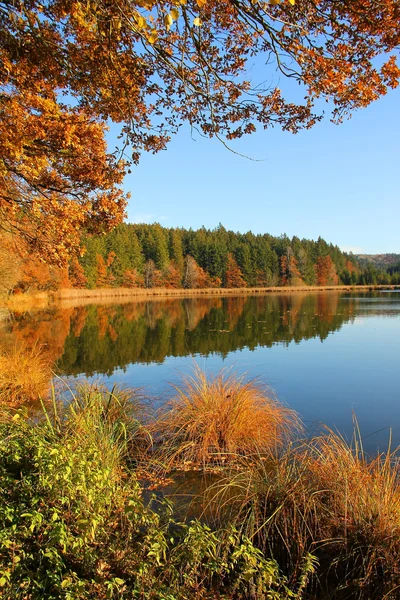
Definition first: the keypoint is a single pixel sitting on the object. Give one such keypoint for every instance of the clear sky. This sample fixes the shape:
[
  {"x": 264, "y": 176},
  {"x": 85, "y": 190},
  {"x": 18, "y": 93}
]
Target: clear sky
[{"x": 340, "y": 182}]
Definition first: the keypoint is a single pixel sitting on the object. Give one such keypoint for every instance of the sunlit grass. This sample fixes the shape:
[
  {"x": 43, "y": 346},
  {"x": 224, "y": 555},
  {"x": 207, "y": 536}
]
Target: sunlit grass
[
  {"x": 324, "y": 497},
  {"x": 362, "y": 507},
  {"x": 25, "y": 375},
  {"x": 212, "y": 419},
  {"x": 110, "y": 419}
]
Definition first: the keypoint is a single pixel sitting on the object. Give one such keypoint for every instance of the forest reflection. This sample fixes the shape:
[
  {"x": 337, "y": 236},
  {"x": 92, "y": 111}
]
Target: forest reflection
[{"x": 100, "y": 338}]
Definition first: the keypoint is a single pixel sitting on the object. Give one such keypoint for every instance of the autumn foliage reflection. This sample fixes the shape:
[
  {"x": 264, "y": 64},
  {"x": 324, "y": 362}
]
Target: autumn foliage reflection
[{"x": 101, "y": 338}]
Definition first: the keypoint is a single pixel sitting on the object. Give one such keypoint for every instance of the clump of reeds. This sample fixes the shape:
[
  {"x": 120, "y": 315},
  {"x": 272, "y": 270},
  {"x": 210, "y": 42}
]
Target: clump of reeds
[
  {"x": 214, "y": 419},
  {"x": 362, "y": 510},
  {"x": 276, "y": 503},
  {"x": 111, "y": 418},
  {"x": 324, "y": 497},
  {"x": 25, "y": 374}
]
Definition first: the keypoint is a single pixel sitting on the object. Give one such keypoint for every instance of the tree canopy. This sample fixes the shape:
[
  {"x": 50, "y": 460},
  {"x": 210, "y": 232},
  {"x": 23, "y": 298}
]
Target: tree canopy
[{"x": 69, "y": 67}]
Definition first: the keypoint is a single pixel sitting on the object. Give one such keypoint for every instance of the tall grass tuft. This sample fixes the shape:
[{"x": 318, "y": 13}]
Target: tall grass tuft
[
  {"x": 327, "y": 498},
  {"x": 213, "y": 419},
  {"x": 112, "y": 420},
  {"x": 362, "y": 511},
  {"x": 25, "y": 375}
]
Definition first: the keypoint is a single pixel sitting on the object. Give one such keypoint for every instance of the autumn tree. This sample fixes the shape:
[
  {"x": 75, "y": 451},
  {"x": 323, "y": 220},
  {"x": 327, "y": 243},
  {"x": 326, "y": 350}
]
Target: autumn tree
[
  {"x": 172, "y": 276},
  {"x": 101, "y": 272},
  {"x": 10, "y": 269},
  {"x": 190, "y": 273},
  {"x": 149, "y": 271},
  {"x": 233, "y": 275},
  {"x": 194, "y": 276},
  {"x": 166, "y": 62},
  {"x": 132, "y": 279},
  {"x": 76, "y": 274},
  {"x": 326, "y": 271}
]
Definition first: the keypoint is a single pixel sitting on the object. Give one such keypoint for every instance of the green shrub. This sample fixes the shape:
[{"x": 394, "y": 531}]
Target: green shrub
[{"x": 74, "y": 524}]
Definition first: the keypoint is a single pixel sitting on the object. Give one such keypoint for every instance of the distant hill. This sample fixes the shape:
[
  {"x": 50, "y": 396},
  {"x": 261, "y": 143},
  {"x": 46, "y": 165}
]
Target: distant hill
[{"x": 379, "y": 260}]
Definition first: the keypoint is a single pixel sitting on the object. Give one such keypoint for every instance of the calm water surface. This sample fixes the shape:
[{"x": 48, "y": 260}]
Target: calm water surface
[{"x": 327, "y": 355}]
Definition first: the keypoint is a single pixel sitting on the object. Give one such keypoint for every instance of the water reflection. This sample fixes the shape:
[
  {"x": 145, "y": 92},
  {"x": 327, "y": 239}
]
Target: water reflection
[
  {"x": 99, "y": 339},
  {"x": 147, "y": 345}
]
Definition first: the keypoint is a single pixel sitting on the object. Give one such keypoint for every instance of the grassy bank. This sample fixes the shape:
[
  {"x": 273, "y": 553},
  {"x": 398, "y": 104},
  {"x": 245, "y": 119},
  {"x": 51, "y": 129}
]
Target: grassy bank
[
  {"x": 78, "y": 297},
  {"x": 74, "y": 524},
  {"x": 283, "y": 517}
]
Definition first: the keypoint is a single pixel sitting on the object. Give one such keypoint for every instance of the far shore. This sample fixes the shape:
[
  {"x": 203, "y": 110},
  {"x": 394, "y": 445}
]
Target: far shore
[{"x": 71, "y": 297}]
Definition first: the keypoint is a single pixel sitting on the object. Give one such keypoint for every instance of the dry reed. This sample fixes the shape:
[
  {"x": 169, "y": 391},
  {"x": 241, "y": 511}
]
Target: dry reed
[
  {"x": 328, "y": 498},
  {"x": 213, "y": 419},
  {"x": 362, "y": 501},
  {"x": 25, "y": 375}
]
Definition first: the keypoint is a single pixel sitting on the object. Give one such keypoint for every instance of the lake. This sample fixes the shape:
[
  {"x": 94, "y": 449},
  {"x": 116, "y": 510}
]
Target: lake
[{"x": 327, "y": 355}]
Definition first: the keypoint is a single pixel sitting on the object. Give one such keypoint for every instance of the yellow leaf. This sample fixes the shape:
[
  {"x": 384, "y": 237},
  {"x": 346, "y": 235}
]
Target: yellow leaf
[
  {"x": 197, "y": 22},
  {"x": 201, "y": 3},
  {"x": 174, "y": 13},
  {"x": 168, "y": 20},
  {"x": 141, "y": 22},
  {"x": 292, "y": 2},
  {"x": 152, "y": 37}
]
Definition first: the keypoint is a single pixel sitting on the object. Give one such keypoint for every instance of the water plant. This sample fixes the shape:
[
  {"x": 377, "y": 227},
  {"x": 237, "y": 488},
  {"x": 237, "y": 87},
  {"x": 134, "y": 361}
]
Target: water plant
[
  {"x": 213, "y": 419},
  {"x": 25, "y": 374},
  {"x": 324, "y": 497}
]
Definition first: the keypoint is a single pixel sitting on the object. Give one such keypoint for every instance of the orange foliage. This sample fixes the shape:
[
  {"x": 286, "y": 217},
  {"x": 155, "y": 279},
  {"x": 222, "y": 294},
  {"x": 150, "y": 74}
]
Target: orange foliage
[
  {"x": 233, "y": 275},
  {"x": 132, "y": 279},
  {"x": 351, "y": 268},
  {"x": 172, "y": 277},
  {"x": 325, "y": 271},
  {"x": 36, "y": 275},
  {"x": 101, "y": 272},
  {"x": 60, "y": 60},
  {"x": 283, "y": 263},
  {"x": 76, "y": 274}
]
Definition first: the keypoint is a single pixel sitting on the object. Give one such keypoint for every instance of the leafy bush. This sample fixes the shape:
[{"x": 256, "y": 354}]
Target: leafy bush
[{"x": 74, "y": 524}]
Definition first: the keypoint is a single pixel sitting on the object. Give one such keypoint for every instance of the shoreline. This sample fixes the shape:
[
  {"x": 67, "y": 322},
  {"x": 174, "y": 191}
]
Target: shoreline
[{"x": 75, "y": 297}]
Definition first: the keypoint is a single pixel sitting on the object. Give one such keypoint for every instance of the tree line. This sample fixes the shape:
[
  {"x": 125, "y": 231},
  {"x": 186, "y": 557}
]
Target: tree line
[
  {"x": 141, "y": 255},
  {"x": 152, "y": 256}
]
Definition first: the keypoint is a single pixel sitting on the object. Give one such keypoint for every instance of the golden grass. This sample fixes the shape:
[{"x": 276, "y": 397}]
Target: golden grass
[
  {"x": 328, "y": 498},
  {"x": 72, "y": 297},
  {"x": 362, "y": 504},
  {"x": 215, "y": 418},
  {"x": 20, "y": 302},
  {"x": 25, "y": 375}
]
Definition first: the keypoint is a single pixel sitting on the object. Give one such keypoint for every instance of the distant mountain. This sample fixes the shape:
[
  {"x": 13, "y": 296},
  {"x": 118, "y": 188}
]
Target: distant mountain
[{"x": 379, "y": 260}]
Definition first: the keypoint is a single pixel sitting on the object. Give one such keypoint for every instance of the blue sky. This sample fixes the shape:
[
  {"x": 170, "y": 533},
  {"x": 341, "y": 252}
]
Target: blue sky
[{"x": 340, "y": 182}]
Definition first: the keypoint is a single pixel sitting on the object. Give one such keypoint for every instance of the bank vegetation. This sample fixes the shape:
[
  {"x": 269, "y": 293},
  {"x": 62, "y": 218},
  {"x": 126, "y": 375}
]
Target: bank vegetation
[{"x": 87, "y": 497}]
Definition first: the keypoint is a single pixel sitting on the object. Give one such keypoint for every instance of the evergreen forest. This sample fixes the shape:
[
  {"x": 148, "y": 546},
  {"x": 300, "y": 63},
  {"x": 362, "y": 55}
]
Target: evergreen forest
[{"x": 150, "y": 256}]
